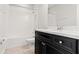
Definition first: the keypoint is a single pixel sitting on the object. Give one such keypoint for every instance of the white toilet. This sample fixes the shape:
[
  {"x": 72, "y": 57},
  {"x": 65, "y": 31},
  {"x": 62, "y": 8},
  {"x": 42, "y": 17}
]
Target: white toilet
[{"x": 30, "y": 44}]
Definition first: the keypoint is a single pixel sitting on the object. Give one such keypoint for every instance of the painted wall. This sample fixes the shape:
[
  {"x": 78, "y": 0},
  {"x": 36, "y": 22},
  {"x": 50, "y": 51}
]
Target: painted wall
[
  {"x": 52, "y": 16},
  {"x": 77, "y": 14},
  {"x": 52, "y": 20},
  {"x": 65, "y": 14},
  {"x": 41, "y": 13},
  {"x": 3, "y": 18},
  {"x": 16, "y": 24},
  {"x": 20, "y": 22}
]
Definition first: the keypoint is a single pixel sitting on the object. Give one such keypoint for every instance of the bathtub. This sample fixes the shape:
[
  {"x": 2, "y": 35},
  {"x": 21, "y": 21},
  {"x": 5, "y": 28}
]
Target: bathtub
[{"x": 14, "y": 42}]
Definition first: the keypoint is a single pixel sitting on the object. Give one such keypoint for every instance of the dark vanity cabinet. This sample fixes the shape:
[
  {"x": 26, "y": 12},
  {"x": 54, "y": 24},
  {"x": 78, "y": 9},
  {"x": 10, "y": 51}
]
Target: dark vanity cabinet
[
  {"x": 46, "y": 43},
  {"x": 40, "y": 44}
]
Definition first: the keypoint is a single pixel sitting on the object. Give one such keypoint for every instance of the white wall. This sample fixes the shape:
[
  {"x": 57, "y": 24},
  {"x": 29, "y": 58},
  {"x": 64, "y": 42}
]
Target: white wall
[
  {"x": 16, "y": 24},
  {"x": 20, "y": 22},
  {"x": 3, "y": 17},
  {"x": 36, "y": 15},
  {"x": 77, "y": 14},
  {"x": 65, "y": 14},
  {"x": 52, "y": 20},
  {"x": 52, "y": 15},
  {"x": 41, "y": 15},
  {"x": 20, "y": 25}
]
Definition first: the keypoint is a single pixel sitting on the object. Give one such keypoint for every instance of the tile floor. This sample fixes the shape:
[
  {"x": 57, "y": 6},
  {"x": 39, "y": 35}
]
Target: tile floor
[
  {"x": 24, "y": 49},
  {"x": 20, "y": 50}
]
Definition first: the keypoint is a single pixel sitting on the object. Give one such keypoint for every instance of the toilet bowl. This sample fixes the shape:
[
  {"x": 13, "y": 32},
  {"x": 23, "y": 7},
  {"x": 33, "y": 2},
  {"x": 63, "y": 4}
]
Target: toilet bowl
[{"x": 30, "y": 41}]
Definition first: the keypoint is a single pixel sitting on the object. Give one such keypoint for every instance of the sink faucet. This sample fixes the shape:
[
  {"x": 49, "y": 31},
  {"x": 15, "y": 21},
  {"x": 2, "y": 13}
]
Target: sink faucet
[{"x": 59, "y": 27}]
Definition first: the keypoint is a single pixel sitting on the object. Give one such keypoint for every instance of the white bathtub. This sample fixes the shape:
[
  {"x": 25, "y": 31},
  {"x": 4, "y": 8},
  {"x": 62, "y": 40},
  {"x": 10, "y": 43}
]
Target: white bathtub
[{"x": 14, "y": 42}]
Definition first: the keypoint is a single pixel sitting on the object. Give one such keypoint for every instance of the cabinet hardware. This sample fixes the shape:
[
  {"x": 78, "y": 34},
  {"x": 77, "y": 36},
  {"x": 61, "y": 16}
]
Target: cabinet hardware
[
  {"x": 43, "y": 43},
  {"x": 60, "y": 42}
]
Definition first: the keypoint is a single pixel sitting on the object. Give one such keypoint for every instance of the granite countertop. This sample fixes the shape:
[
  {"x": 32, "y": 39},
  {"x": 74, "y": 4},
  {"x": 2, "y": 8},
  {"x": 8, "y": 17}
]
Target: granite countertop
[{"x": 66, "y": 33}]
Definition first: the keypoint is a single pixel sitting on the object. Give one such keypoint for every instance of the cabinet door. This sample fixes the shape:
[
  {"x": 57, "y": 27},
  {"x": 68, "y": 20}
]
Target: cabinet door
[
  {"x": 56, "y": 49},
  {"x": 77, "y": 46},
  {"x": 66, "y": 43},
  {"x": 52, "y": 50},
  {"x": 40, "y": 45},
  {"x": 43, "y": 47},
  {"x": 37, "y": 45}
]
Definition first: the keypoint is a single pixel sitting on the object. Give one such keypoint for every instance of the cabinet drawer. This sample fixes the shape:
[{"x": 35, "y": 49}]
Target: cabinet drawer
[
  {"x": 46, "y": 35},
  {"x": 66, "y": 42},
  {"x": 56, "y": 49},
  {"x": 78, "y": 46}
]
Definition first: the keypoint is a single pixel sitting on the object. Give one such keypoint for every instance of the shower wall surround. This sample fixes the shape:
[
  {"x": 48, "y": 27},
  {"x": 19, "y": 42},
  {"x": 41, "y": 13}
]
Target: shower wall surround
[{"x": 16, "y": 23}]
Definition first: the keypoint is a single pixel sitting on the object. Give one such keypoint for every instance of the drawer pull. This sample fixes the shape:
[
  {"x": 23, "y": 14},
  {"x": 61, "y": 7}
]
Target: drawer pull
[
  {"x": 43, "y": 43},
  {"x": 60, "y": 42}
]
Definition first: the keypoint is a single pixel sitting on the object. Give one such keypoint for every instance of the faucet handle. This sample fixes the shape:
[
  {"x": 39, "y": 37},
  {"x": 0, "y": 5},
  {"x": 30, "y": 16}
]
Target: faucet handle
[{"x": 59, "y": 27}]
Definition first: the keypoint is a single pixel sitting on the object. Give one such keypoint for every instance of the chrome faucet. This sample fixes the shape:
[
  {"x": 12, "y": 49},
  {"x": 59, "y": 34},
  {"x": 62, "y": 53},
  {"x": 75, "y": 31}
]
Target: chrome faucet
[{"x": 59, "y": 27}]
